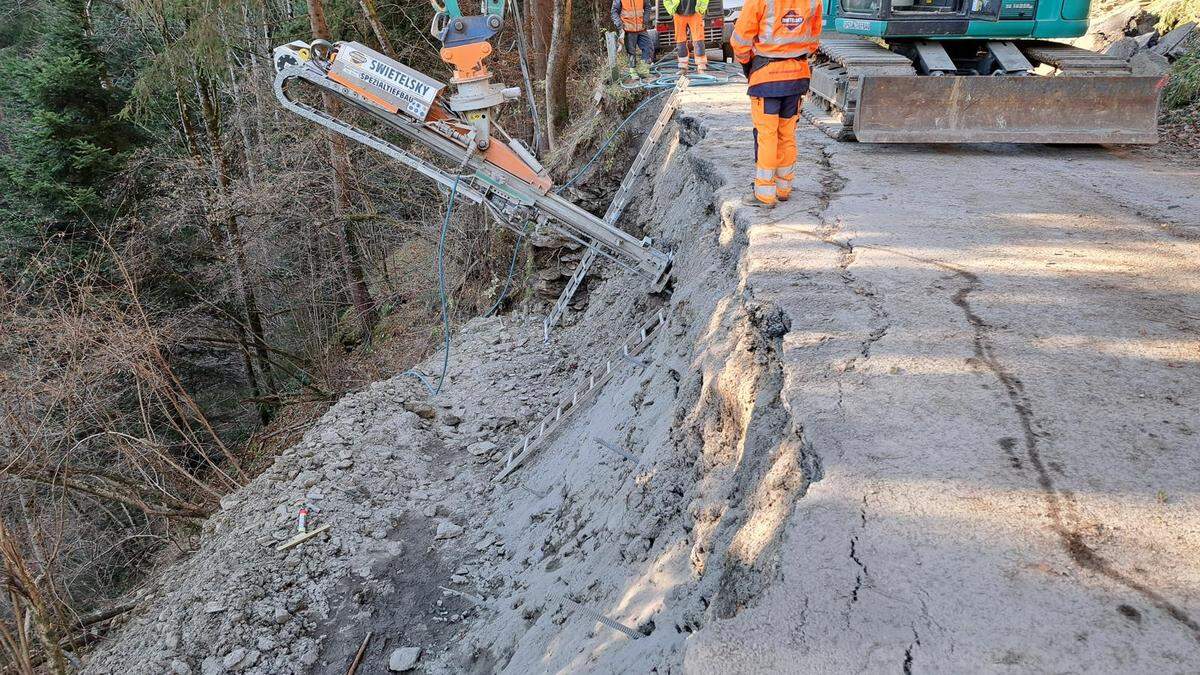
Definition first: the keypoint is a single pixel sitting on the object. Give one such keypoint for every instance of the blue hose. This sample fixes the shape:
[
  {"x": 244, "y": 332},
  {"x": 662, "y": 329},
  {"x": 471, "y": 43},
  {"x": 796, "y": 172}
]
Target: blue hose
[{"x": 666, "y": 74}]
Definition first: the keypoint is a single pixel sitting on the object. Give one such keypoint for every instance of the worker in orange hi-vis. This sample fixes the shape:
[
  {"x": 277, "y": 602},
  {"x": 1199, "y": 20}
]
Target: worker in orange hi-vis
[
  {"x": 636, "y": 18},
  {"x": 688, "y": 16},
  {"x": 773, "y": 39}
]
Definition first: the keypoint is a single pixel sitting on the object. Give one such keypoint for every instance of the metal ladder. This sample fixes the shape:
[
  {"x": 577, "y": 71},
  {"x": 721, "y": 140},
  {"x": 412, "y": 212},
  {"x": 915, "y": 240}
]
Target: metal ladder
[
  {"x": 617, "y": 207},
  {"x": 588, "y": 386}
]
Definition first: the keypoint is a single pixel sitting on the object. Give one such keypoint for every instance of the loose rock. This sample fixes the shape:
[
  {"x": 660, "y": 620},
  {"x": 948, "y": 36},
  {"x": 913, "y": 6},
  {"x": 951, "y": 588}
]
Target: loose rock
[{"x": 403, "y": 659}]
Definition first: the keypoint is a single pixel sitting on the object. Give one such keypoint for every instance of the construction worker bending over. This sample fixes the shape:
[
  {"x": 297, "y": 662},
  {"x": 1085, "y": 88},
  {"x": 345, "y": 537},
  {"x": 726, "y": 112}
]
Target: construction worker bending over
[
  {"x": 773, "y": 39},
  {"x": 635, "y": 17},
  {"x": 688, "y": 15}
]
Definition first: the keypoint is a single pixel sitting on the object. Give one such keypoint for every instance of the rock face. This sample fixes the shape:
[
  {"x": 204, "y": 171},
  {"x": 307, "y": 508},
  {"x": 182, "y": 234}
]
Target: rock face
[
  {"x": 1123, "y": 48},
  {"x": 404, "y": 659}
]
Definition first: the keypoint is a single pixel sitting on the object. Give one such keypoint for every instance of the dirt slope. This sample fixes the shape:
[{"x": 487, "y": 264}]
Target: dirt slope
[{"x": 938, "y": 412}]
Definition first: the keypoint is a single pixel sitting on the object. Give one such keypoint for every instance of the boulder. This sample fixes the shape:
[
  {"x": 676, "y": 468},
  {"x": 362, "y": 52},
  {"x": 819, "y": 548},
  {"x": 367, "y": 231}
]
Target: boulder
[
  {"x": 481, "y": 448},
  {"x": 422, "y": 410},
  {"x": 404, "y": 659},
  {"x": 234, "y": 659},
  {"x": 1148, "y": 63},
  {"x": 448, "y": 530},
  {"x": 1123, "y": 49},
  {"x": 281, "y": 616}
]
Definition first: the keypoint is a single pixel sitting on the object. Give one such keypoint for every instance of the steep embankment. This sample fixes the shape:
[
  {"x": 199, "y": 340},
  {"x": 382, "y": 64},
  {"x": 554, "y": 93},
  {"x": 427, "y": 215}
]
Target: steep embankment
[{"x": 687, "y": 532}]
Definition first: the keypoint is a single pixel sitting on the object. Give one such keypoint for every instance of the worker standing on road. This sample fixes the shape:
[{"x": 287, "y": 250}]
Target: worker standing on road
[
  {"x": 773, "y": 39},
  {"x": 688, "y": 15},
  {"x": 635, "y": 17}
]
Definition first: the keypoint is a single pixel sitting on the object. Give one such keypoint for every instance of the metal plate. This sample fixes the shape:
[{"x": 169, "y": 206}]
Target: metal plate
[
  {"x": 388, "y": 84},
  {"x": 1101, "y": 109}
]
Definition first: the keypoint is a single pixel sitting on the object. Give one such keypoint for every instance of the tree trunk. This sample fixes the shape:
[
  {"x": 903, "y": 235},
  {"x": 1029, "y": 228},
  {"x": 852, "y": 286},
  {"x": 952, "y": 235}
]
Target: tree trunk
[
  {"x": 234, "y": 235},
  {"x": 360, "y": 294},
  {"x": 557, "y": 65},
  {"x": 541, "y": 19}
]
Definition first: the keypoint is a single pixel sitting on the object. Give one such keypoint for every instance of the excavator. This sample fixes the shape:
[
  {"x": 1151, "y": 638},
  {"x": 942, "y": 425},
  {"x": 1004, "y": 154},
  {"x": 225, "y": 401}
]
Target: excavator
[
  {"x": 473, "y": 157},
  {"x": 972, "y": 71}
]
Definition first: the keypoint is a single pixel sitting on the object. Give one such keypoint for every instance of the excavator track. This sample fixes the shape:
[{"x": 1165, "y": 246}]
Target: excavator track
[
  {"x": 1074, "y": 61},
  {"x": 837, "y": 70},
  {"x": 862, "y": 90}
]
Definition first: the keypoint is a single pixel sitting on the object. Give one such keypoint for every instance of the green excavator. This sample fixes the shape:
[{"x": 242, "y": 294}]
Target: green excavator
[{"x": 973, "y": 71}]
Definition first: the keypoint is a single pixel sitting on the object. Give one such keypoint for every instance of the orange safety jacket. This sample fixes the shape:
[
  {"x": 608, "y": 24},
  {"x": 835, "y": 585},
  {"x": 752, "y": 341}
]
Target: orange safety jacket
[
  {"x": 783, "y": 33},
  {"x": 633, "y": 15}
]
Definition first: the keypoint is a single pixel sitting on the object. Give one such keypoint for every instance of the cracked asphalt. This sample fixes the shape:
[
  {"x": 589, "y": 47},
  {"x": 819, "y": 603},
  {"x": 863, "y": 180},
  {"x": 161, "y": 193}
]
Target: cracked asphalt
[{"x": 995, "y": 351}]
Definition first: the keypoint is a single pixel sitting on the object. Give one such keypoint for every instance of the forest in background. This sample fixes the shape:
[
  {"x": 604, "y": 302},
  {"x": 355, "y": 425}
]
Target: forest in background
[{"x": 190, "y": 275}]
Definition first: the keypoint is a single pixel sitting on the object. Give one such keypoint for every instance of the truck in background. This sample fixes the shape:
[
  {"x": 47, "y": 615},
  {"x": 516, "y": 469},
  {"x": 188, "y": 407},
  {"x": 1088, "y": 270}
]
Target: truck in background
[{"x": 714, "y": 28}]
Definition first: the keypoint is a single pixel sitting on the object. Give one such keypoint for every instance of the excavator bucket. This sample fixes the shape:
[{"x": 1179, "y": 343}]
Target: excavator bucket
[{"x": 1034, "y": 109}]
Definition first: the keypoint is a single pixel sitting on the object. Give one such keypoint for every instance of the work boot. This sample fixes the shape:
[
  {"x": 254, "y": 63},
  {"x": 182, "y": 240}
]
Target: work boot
[
  {"x": 683, "y": 66},
  {"x": 751, "y": 200},
  {"x": 643, "y": 70}
]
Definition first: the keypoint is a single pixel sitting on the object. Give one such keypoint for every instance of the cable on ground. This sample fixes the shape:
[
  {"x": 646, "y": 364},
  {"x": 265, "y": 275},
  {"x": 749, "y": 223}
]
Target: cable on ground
[
  {"x": 666, "y": 73},
  {"x": 441, "y": 269}
]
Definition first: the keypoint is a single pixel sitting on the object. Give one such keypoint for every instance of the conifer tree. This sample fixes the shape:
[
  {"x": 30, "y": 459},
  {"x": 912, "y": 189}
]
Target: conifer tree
[{"x": 65, "y": 140}]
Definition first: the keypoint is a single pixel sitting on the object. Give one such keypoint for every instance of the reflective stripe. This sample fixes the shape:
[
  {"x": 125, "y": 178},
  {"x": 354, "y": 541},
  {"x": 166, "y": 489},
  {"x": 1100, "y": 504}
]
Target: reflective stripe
[
  {"x": 769, "y": 43},
  {"x": 633, "y": 16},
  {"x": 765, "y": 193},
  {"x": 765, "y": 175},
  {"x": 806, "y": 50},
  {"x": 786, "y": 172},
  {"x": 739, "y": 40}
]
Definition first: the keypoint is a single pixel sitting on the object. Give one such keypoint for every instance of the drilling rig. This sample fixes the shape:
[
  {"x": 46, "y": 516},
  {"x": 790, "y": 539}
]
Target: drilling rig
[{"x": 475, "y": 158}]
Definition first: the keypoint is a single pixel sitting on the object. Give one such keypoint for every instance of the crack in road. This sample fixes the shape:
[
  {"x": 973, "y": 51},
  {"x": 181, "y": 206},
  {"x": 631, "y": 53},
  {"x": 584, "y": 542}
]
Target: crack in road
[
  {"x": 832, "y": 183},
  {"x": 908, "y": 653},
  {"x": 854, "y": 555},
  {"x": 1057, "y": 499}
]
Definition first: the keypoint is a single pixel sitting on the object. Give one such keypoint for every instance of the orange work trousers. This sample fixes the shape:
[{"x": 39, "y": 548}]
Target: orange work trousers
[
  {"x": 695, "y": 24},
  {"x": 774, "y": 145}
]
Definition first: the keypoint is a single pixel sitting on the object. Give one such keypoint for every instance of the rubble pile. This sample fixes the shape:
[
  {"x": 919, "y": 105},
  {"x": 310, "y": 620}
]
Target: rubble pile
[{"x": 1128, "y": 32}]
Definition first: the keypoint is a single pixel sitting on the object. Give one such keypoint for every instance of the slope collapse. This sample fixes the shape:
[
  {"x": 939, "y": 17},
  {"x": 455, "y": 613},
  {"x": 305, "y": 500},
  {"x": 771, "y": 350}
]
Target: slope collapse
[{"x": 687, "y": 532}]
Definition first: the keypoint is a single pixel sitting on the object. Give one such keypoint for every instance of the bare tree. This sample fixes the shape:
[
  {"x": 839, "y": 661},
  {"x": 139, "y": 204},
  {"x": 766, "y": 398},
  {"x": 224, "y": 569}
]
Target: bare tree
[
  {"x": 360, "y": 295},
  {"x": 557, "y": 66}
]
